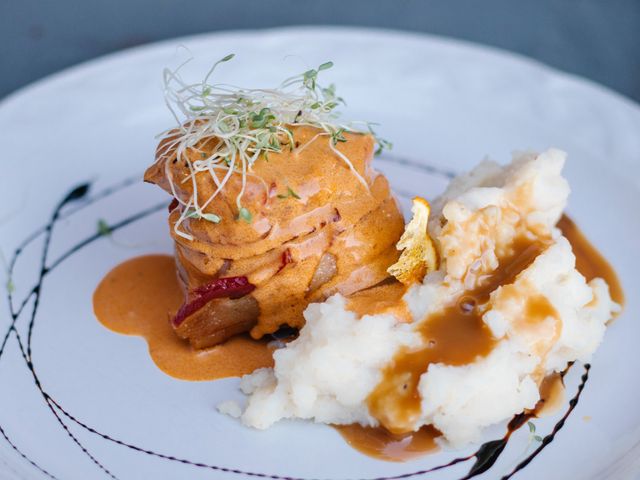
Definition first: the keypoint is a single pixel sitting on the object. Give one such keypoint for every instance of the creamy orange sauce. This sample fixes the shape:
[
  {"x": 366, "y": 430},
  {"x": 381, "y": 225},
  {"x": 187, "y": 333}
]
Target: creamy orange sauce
[
  {"x": 379, "y": 443},
  {"x": 589, "y": 261},
  {"x": 137, "y": 297},
  {"x": 385, "y": 298}
]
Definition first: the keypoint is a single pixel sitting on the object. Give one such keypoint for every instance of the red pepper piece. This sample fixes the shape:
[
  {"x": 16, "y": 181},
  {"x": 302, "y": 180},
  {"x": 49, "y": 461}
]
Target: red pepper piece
[
  {"x": 285, "y": 259},
  {"x": 229, "y": 287}
]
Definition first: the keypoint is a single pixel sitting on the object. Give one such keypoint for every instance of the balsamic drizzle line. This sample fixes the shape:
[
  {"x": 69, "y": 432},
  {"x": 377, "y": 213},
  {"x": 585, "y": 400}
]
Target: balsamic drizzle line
[
  {"x": 556, "y": 428},
  {"x": 75, "y": 194},
  {"x": 23, "y": 455},
  {"x": 34, "y": 292},
  {"x": 56, "y": 415},
  {"x": 485, "y": 456},
  {"x": 63, "y": 215}
]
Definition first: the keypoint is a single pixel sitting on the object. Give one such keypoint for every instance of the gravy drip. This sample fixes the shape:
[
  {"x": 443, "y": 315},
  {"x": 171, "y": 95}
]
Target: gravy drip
[
  {"x": 589, "y": 261},
  {"x": 378, "y": 443},
  {"x": 552, "y": 393}
]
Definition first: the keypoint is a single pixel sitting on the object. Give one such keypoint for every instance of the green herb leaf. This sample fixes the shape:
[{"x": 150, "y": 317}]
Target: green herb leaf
[
  {"x": 103, "y": 228},
  {"x": 309, "y": 79},
  {"x": 292, "y": 142},
  {"x": 325, "y": 66},
  {"x": 338, "y": 136},
  {"x": 290, "y": 193},
  {"x": 532, "y": 427},
  {"x": 537, "y": 438},
  {"x": 293, "y": 194},
  {"x": 209, "y": 217},
  {"x": 228, "y": 57},
  {"x": 245, "y": 215},
  {"x": 274, "y": 144},
  {"x": 262, "y": 118},
  {"x": 10, "y": 286}
]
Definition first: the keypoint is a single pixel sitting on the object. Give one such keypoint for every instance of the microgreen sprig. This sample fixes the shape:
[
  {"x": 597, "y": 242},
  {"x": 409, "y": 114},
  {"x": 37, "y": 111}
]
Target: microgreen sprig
[
  {"x": 290, "y": 193},
  {"x": 246, "y": 124},
  {"x": 210, "y": 217},
  {"x": 533, "y": 437},
  {"x": 103, "y": 228}
]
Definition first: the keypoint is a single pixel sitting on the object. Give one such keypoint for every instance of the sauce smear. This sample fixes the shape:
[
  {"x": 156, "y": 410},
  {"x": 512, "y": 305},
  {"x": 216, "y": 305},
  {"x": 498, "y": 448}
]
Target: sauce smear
[
  {"x": 378, "y": 443},
  {"x": 138, "y": 296}
]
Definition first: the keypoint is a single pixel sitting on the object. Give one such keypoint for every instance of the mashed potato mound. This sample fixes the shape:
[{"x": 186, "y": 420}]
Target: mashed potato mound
[{"x": 329, "y": 371}]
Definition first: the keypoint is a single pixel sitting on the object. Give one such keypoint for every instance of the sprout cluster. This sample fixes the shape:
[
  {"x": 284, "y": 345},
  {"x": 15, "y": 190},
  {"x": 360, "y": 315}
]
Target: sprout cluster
[{"x": 244, "y": 125}]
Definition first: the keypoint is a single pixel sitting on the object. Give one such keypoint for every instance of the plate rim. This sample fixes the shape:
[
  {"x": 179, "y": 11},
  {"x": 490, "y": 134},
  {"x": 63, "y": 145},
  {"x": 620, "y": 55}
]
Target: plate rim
[{"x": 86, "y": 66}]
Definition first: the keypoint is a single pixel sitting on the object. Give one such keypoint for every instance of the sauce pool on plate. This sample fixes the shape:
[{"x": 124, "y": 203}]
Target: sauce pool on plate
[{"x": 137, "y": 297}]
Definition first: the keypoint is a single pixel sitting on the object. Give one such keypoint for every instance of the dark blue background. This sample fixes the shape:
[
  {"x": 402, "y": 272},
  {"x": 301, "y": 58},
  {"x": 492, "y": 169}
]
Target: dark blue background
[{"x": 598, "y": 39}]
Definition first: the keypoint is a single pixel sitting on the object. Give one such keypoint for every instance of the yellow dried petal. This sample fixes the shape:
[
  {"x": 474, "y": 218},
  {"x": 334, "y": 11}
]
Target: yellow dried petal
[{"x": 419, "y": 255}]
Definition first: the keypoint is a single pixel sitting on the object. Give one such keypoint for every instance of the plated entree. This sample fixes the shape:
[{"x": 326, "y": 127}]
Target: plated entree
[
  {"x": 284, "y": 231},
  {"x": 276, "y": 205}
]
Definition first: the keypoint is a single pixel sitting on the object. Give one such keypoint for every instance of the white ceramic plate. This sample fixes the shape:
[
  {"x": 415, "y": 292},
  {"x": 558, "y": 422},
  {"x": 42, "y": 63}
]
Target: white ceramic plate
[{"x": 444, "y": 104}]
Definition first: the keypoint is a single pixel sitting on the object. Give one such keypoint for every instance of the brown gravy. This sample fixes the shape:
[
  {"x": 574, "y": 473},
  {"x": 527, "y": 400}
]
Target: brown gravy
[
  {"x": 135, "y": 298},
  {"x": 379, "y": 443},
  {"x": 589, "y": 261},
  {"x": 455, "y": 335},
  {"x": 551, "y": 395}
]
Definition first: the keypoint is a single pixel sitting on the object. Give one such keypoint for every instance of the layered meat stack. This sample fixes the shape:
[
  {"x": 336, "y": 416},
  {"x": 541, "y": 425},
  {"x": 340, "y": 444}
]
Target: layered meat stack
[{"x": 313, "y": 219}]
